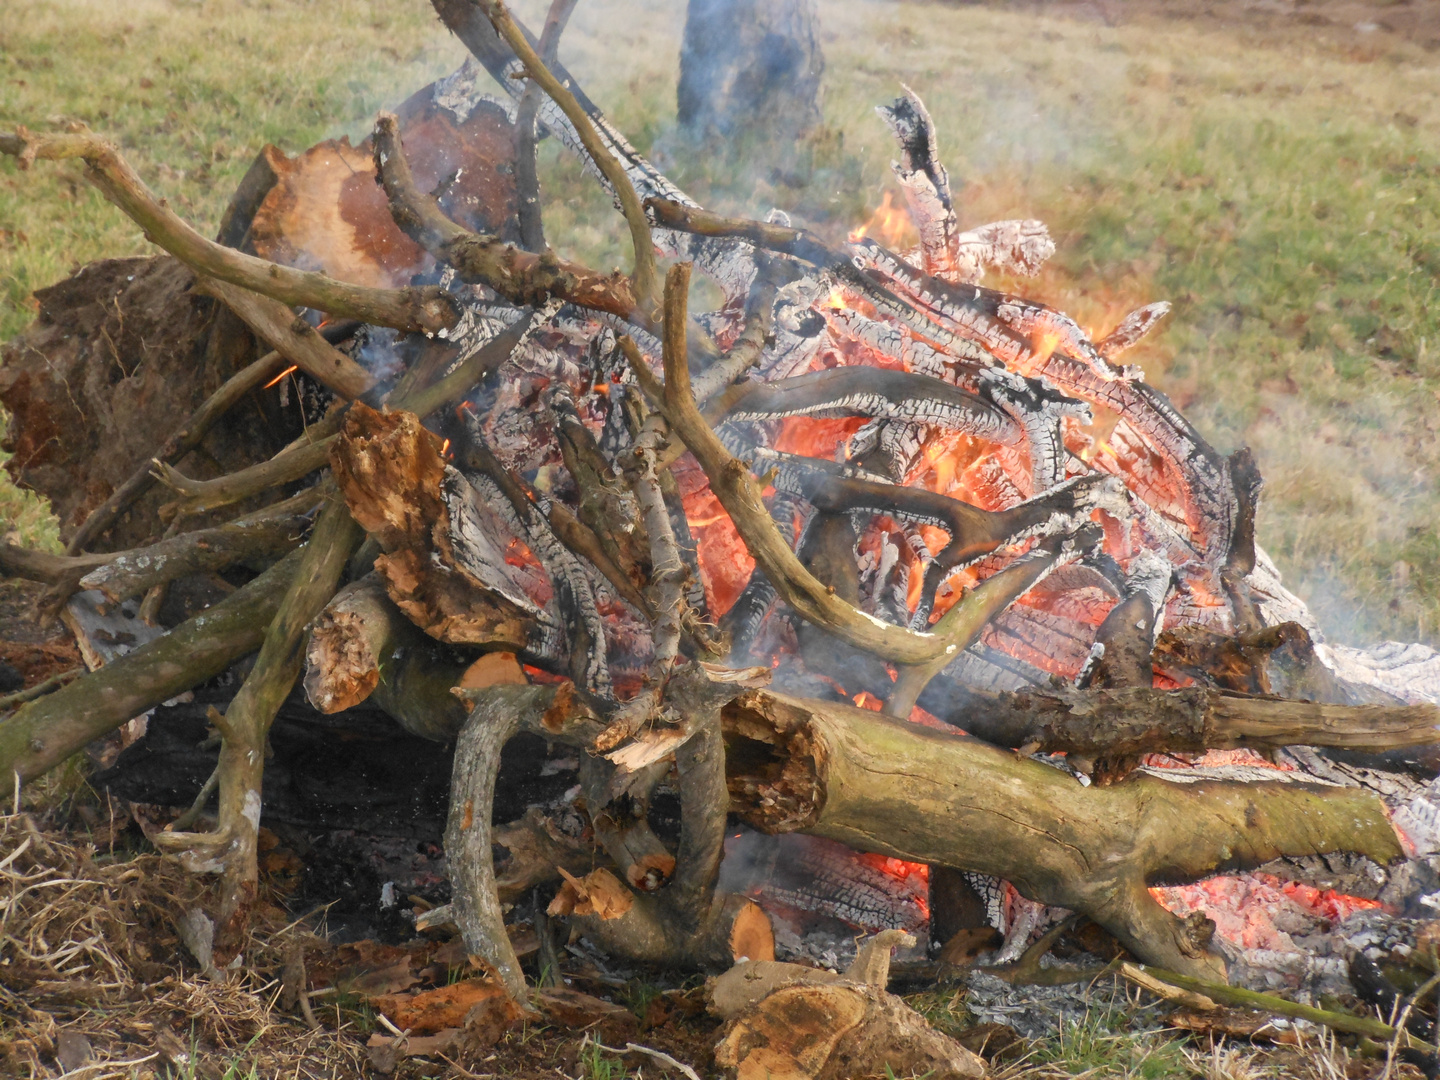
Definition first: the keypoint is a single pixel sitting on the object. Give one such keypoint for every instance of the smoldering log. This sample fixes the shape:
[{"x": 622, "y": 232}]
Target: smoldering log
[{"x": 883, "y": 785}]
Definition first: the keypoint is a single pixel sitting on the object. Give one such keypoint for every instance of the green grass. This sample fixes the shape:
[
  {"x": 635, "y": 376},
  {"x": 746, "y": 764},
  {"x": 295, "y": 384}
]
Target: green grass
[
  {"x": 1097, "y": 1046},
  {"x": 1284, "y": 193}
]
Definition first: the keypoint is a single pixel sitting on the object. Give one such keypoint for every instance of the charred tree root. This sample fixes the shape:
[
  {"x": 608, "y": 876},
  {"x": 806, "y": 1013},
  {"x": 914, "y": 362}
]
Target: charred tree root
[
  {"x": 686, "y": 922},
  {"x": 175, "y": 447},
  {"x": 885, "y": 786},
  {"x": 44, "y": 733}
]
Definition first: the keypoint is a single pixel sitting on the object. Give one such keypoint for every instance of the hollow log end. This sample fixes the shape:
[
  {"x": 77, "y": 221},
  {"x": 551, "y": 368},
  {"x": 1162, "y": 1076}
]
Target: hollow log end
[{"x": 775, "y": 766}]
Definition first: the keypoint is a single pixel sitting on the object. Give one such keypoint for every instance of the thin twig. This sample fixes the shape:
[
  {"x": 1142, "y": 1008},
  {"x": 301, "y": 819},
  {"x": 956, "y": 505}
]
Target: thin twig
[
  {"x": 1400, "y": 1028},
  {"x": 1253, "y": 999},
  {"x": 20, "y": 697},
  {"x": 658, "y": 1055},
  {"x": 527, "y": 183}
]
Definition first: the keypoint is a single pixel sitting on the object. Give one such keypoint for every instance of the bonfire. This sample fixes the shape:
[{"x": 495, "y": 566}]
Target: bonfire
[{"x": 930, "y": 617}]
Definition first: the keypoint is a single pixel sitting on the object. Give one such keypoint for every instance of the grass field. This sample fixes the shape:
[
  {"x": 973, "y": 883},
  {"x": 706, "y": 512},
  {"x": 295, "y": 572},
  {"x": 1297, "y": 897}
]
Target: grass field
[{"x": 1283, "y": 191}]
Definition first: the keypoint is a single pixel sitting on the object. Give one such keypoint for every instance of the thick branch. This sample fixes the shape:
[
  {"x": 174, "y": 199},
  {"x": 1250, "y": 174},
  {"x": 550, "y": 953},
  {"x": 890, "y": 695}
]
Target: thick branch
[
  {"x": 424, "y": 310},
  {"x": 500, "y": 713},
  {"x": 232, "y": 848},
  {"x": 44, "y": 733},
  {"x": 294, "y": 338},
  {"x": 1139, "y": 720},
  {"x": 880, "y": 784},
  {"x": 265, "y": 534},
  {"x": 668, "y": 571},
  {"x": 520, "y": 276},
  {"x": 295, "y": 462}
]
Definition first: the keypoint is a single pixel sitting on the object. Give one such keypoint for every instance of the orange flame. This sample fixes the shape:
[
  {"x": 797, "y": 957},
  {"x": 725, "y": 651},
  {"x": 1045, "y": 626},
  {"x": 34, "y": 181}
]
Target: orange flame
[
  {"x": 1043, "y": 344},
  {"x": 277, "y": 378},
  {"x": 889, "y": 224}
]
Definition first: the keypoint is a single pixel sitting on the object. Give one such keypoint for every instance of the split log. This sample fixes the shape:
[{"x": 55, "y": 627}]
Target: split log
[
  {"x": 395, "y": 481},
  {"x": 883, "y": 785},
  {"x": 922, "y": 653},
  {"x": 1126, "y": 723},
  {"x": 45, "y": 732}
]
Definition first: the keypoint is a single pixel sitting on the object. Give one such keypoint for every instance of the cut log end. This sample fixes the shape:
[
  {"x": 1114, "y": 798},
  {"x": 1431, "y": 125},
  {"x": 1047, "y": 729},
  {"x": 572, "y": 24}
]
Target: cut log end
[{"x": 342, "y": 669}]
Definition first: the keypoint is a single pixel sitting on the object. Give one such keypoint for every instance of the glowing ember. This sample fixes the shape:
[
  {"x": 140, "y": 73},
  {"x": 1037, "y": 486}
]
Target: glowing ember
[{"x": 1259, "y": 911}]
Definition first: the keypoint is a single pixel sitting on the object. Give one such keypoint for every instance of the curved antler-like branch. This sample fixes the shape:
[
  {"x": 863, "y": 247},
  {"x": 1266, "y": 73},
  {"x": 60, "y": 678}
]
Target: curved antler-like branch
[
  {"x": 646, "y": 277},
  {"x": 739, "y": 494}
]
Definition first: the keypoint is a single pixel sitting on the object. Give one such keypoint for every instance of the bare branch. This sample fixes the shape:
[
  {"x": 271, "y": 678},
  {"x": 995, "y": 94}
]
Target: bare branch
[
  {"x": 293, "y": 337},
  {"x": 520, "y": 276},
  {"x": 527, "y": 184},
  {"x": 646, "y": 277}
]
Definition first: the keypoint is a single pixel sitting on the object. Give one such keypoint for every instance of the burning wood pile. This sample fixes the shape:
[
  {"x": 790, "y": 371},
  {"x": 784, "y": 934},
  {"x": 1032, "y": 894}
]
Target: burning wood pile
[{"x": 847, "y": 556}]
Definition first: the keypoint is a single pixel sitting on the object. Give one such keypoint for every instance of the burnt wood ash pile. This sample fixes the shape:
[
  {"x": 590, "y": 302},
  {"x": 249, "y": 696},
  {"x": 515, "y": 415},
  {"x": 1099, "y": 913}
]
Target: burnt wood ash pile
[{"x": 838, "y": 558}]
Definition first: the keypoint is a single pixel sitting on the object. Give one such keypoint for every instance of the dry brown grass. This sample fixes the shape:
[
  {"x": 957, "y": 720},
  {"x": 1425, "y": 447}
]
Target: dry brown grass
[{"x": 88, "y": 946}]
